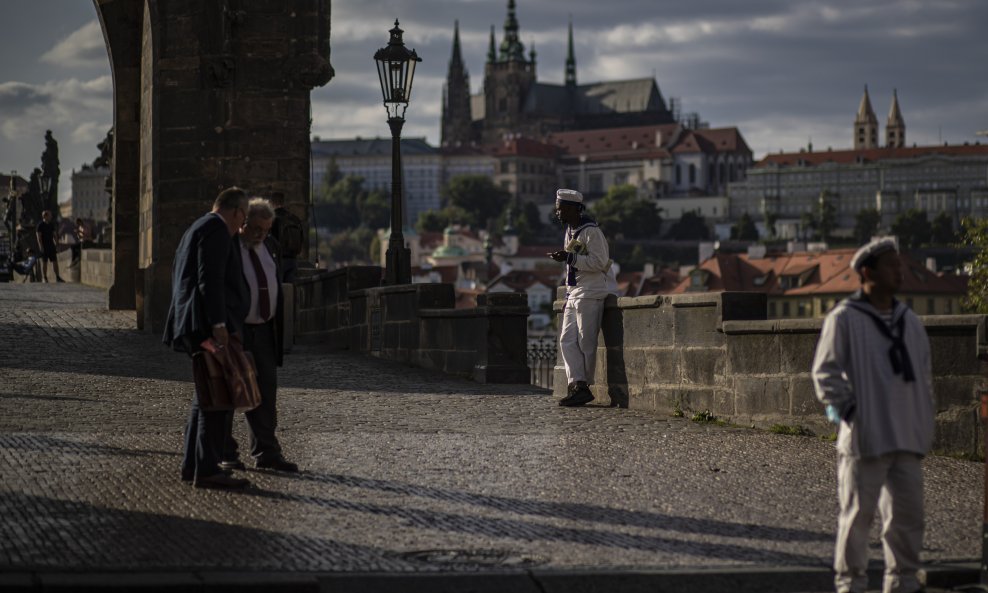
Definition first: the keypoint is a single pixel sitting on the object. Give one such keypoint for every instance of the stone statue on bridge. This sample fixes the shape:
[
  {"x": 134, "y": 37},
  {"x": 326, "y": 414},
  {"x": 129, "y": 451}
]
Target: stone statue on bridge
[{"x": 49, "y": 166}]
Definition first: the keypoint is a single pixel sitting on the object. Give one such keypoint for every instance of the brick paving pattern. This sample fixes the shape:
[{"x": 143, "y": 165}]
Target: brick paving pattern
[{"x": 403, "y": 470}]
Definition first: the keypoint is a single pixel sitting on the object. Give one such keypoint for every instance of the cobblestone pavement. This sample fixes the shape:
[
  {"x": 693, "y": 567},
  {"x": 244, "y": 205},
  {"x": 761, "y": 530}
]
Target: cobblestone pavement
[{"x": 404, "y": 470}]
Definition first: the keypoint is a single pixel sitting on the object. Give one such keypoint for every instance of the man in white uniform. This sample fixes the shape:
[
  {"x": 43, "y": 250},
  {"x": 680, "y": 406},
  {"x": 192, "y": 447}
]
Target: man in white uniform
[
  {"x": 589, "y": 279},
  {"x": 872, "y": 370}
]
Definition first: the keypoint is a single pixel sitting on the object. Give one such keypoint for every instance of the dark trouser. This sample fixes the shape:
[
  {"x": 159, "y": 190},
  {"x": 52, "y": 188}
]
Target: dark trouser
[
  {"x": 262, "y": 420},
  {"x": 204, "y": 435}
]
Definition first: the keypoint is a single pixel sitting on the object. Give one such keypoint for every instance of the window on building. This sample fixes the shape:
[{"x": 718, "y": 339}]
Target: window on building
[
  {"x": 801, "y": 309},
  {"x": 948, "y": 307},
  {"x": 785, "y": 309},
  {"x": 771, "y": 309},
  {"x": 596, "y": 183},
  {"x": 692, "y": 173},
  {"x": 679, "y": 174},
  {"x": 504, "y": 166},
  {"x": 931, "y": 306}
]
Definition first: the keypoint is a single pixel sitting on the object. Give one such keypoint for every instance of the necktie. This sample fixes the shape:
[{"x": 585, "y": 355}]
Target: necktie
[{"x": 263, "y": 300}]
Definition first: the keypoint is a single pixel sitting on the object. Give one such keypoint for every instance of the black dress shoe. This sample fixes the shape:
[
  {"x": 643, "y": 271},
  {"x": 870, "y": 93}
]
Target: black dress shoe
[
  {"x": 278, "y": 464},
  {"x": 580, "y": 397},
  {"x": 235, "y": 464},
  {"x": 221, "y": 481}
]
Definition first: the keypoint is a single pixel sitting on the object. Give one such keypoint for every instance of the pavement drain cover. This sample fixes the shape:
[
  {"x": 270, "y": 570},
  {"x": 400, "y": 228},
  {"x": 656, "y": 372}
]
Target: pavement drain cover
[{"x": 475, "y": 558}]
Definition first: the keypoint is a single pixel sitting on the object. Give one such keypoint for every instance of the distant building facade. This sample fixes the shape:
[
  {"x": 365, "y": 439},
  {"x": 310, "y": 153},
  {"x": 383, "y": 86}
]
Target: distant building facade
[
  {"x": 90, "y": 200},
  {"x": 890, "y": 179}
]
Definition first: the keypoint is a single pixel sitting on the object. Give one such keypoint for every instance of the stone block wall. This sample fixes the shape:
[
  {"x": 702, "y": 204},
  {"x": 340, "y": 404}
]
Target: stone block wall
[
  {"x": 711, "y": 352},
  {"x": 415, "y": 324}
]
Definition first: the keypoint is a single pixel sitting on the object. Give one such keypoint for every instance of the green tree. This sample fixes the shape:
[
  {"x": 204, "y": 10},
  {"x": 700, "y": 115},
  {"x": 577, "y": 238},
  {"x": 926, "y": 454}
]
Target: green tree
[
  {"x": 912, "y": 228},
  {"x": 477, "y": 196},
  {"x": 770, "y": 219},
  {"x": 745, "y": 229},
  {"x": 866, "y": 224},
  {"x": 436, "y": 221},
  {"x": 808, "y": 224},
  {"x": 622, "y": 213},
  {"x": 690, "y": 226},
  {"x": 332, "y": 176},
  {"x": 351, "y": 246},
  {"x": 942, "y": 229},
  {"x": 827, "y": 218},
  {"x": 374, "y": 209},
  {"x": 974, "y": 232},
  {"x": 337, "y": 208}
]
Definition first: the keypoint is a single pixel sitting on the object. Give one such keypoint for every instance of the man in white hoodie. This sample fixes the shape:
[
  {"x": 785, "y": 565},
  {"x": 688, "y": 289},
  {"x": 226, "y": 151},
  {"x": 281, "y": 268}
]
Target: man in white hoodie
[
  {"x": 589, "y": 279},
  {"x": 872, "y": 370}
]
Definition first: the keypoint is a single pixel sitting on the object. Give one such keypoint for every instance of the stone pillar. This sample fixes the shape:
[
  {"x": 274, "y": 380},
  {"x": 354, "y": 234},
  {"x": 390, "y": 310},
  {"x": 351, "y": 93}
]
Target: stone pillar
[{"x": 207, "y": 95}]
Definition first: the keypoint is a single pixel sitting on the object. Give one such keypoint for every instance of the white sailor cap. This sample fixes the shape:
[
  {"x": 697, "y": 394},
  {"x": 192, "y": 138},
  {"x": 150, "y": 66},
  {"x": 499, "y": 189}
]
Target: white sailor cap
[
  {"x": 569, "y": 195},
  {"x": 872, "y": 249}
]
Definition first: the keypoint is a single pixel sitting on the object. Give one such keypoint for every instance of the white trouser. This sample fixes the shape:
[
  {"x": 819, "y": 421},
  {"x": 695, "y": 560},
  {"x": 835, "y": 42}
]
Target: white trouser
[
  {"x": 893, "y": 483},
  {"x": 578, "y": 338}
]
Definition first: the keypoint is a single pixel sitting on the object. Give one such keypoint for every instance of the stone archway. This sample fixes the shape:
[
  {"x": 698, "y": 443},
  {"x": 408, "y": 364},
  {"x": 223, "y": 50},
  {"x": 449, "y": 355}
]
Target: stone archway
[{"x": 194, "y": 112}]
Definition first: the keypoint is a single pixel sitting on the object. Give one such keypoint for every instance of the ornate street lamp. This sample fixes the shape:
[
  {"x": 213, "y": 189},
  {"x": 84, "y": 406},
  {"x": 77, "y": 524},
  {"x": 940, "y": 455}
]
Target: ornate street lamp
[{"x": 396, "y": 68}]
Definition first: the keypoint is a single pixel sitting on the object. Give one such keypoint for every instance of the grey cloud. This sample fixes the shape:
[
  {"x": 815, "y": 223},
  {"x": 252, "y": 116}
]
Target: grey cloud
[
  {"x": 18, "y": 96},
  {"x": 84, "y": 47}
]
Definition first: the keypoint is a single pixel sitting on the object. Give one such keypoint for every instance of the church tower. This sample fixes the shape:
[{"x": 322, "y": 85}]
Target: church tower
[
  {"x": 570, "y": 60},
  {"x": 508, "y": 76},
  {"x": 895, "y": 127},
  {"x": 456, "y": 116},
  {"x": 865, "y": 125}
]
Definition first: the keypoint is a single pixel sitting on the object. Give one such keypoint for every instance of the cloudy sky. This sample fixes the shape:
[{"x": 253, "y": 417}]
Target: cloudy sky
[{"x": 783, "y": 71}]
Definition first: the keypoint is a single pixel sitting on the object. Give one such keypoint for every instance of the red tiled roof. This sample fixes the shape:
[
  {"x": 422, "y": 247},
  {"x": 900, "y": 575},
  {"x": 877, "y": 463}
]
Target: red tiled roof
[
  {"x": 612, "y": 140},
  {"x": 711, "y": 141},
  {"x": 522, "y": 147},
  {"x": 823, "y": 273},
  {"x": 845, "y": 157},
  {"x": 521, "y": 280}
]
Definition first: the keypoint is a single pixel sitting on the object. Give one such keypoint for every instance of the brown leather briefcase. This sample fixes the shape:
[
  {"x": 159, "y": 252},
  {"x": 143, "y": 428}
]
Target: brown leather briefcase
[{"x": 225, "y": 378}]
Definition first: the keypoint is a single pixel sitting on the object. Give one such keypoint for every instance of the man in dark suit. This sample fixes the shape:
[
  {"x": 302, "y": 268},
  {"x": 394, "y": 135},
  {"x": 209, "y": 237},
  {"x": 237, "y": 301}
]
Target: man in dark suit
[
  {"x": 262, "y": 337},
  {"x": 209, "y": 300}
]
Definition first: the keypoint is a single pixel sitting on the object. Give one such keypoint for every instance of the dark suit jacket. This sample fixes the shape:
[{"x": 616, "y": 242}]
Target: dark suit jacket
[
  {"x": 271, "y": 244},
  {"x": 207, "y": 285}
]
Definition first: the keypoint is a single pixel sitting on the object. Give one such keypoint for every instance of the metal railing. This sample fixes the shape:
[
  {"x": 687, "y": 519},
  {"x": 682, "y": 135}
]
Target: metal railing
[{"x": 542, "y": 361}]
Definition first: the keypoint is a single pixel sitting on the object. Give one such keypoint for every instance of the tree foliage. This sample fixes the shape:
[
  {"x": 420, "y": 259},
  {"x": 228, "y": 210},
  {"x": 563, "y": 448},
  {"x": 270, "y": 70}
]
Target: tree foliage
[
  {"x": 942, "y": 230},
  {"x": 477, "y": 196},
  {"x": 745, "y": 229},
  {"x": 690, "y": 226},
  {"x": 826, "y": 220},
  {"x": 622, "y": 213},
  {"x": 436, "y": 221},
  {"x": 975, "y": 234},
  {"x": 912, "y": 228},
  {"x": 770, "y": 219},
  {"x": 351, "y": 246},
  {"x": 866, "y": 224}
]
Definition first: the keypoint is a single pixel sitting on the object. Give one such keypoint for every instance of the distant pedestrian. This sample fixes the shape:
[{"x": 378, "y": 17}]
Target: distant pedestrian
[
  {"x": 46, "y": 232},
  {"x": 209, "y": 302},
  {"x": 589, "y": 280},
  {"x": 262, "y": 338},
  {"x": 872, "y": 369},
  {"x": 290, "y": 234}
]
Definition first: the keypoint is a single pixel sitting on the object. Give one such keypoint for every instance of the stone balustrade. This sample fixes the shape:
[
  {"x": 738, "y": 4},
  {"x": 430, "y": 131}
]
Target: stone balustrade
[{"x": 717, "y": 352}]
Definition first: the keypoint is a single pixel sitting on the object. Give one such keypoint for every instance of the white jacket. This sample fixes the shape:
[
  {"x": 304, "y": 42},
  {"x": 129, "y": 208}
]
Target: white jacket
[
  {"x": 589, "y": 269},
  {"x": 853, "y": 366}
]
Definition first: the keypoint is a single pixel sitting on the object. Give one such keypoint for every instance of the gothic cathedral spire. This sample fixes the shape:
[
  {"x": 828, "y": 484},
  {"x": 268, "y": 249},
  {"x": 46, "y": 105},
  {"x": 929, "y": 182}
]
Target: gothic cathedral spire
[
  {"x": 865, "y": 125},
  {"x": 456, "y": 117},
  {"x": 895, "y": 127},
  {"x": 512, "y": 49},
  {"x": 570, "y": 59}
]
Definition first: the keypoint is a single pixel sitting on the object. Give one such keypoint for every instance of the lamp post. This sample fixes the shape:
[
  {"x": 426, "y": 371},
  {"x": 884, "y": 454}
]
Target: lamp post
[{"x": 396, "y": 68}]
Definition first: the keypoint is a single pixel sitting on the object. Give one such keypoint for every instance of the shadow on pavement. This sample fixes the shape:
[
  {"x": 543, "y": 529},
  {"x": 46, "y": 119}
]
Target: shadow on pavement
[
  {"x": 527, "y": 531},
  {"x": 90, "y": 537},
  {"x": 576, "y": 511},
  {"x": 46, "y": 443}
]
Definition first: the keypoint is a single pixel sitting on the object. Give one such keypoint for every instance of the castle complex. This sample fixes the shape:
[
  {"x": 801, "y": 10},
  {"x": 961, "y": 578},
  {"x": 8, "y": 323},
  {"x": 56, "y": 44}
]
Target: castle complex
[{"x": 513, "y": 101}]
